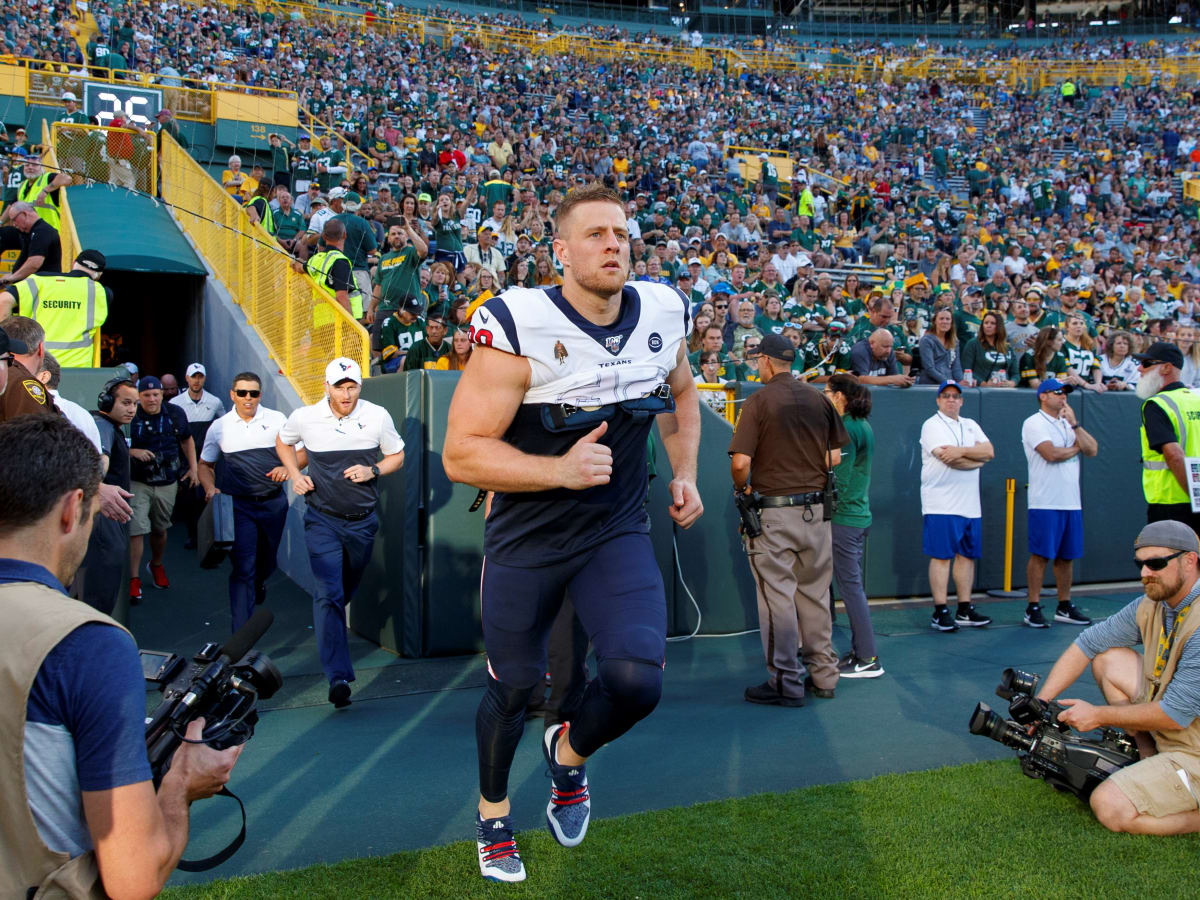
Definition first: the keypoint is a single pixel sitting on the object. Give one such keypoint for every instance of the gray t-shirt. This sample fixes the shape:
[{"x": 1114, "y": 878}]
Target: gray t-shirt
[
  {"x": 1018, "y": 334},
  {"x": 863, "y": 362}
]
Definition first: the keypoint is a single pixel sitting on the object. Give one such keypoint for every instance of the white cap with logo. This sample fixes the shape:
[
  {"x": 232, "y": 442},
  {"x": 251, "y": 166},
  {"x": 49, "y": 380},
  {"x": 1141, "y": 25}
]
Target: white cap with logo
[
  {"x": 342, "y": 368},
  {"x": 196, "y": 369}
]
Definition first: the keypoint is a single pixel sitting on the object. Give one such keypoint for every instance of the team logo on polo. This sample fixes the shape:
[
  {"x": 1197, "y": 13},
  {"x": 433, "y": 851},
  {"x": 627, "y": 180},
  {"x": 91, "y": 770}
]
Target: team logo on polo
[
  {"x": 612, "y": 343},
  {"x": 654, "y": 342},
  {"x": 560, "y": 353},
  {"x": 35, "y": 390}
]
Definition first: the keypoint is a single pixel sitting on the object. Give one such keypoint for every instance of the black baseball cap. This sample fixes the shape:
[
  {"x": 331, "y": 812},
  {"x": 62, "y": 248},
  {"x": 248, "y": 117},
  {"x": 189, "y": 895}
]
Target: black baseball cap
[
  {"x": 92, "y": 259},
  {"x": 1161, "y": 352},
  {"x": 776, "y": 346},
  {"x": 9, "y": 345}
]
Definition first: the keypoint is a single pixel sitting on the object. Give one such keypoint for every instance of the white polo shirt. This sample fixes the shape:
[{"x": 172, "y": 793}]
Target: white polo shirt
[
  {"x": 247, "y": 449},
  {"x": 335, "y": 444},
  {"x": 946, "y": 491},
  {"x": 1052, "y": 485},
  {"x": 207, "y": 408}
]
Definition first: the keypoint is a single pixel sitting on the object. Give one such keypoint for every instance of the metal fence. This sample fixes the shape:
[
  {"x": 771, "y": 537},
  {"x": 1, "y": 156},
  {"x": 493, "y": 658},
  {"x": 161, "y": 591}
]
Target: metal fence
[
  {"x": 301, "y": 324},
  {"x": 123, "y": 157}
]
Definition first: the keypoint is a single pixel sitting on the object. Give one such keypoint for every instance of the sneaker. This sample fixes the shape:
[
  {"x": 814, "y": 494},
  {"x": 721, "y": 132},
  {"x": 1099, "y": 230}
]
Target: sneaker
[
  {"x": 1070, "y": 615},
  {"x": 969, "y": 617},
  {"x": 497, "y": 849},
  {"x": 1034, "y": 617},
  {"x": 135, "y": 591},
  {"x": 860, "y": 668},
  {"x": 942, "y": 619},
  {"x": 339, "y": 694},
  {"x": 159, "y": 574},
  {"x": 766, "y": 695},
  {"x": 811, "y": 688},
  {"x": 570, "y": 805}
]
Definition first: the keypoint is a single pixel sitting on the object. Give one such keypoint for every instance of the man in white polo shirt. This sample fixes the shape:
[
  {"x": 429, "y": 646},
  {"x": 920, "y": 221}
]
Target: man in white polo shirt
[
  {"x": 343, "y": 437},
  {"x": 1053, "y": 442},
  {"x": 202, "y": 409},
  {"x": 953, "y": 448}
]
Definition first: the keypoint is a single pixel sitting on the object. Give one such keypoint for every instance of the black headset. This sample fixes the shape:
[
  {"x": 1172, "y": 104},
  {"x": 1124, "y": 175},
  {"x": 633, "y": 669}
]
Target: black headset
[{"x": 107, "y": 398}]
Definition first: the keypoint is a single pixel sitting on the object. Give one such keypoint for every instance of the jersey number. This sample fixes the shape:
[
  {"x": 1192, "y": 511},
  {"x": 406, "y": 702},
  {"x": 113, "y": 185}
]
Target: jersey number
[{"x": 479, "y": 336}]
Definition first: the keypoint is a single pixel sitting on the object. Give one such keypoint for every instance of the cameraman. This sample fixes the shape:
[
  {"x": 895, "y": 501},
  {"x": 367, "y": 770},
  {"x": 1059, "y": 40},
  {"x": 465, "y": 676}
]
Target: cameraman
[
  {"x": 83, "y": 820},
  {"x": 1154, "y": 696}
]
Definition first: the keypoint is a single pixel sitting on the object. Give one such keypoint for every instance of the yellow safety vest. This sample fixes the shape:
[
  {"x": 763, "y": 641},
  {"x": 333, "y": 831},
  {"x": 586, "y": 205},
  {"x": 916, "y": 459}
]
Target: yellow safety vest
[
  {"x": 47, "y": 210},
  {"x": 268, "y": 220},
  {"x": 1183, "y": 409},
  {"x": 71, "y": 308},
  {"x": 319, "y": 267},
  {"x": 1068, "y": 89}
]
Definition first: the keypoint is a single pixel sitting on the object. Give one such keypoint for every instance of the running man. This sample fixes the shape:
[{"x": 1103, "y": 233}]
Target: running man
[{"x": 553, "y": 413}]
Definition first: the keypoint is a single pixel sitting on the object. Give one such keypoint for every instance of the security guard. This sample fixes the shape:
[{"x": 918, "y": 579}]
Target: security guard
[
  {"x": 251, "y": 473},
  {"x": 41, "y": 190},
  {"x": 21, "y": 351},
  {"x": 343, "y": 437},
  {"x": 71, "y": 307},
  {"x": 792, "y": 435},
  {"x": 259, "y": 206},
  {"x": 1170, "y": 432},
  {"x": 332, "y": 268}
]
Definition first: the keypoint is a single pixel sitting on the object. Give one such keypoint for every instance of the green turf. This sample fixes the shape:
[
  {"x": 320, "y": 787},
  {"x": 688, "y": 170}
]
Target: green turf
[{"x": 978, "y": 830}]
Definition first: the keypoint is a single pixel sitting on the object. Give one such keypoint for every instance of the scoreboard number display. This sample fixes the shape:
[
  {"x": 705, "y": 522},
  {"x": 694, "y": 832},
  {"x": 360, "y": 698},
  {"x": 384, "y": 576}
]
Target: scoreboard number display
[{"x": 104, "y": 100}]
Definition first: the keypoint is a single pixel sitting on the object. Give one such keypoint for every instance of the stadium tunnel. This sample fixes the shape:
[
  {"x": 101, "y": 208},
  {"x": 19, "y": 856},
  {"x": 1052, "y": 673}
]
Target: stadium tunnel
[{"x": 156, "y": 278}]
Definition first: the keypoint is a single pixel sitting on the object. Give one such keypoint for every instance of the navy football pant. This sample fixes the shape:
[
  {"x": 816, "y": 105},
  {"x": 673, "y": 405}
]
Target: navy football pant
[
  {"x": 618, "y": 594},
  {"x": 257, "y": 531}
]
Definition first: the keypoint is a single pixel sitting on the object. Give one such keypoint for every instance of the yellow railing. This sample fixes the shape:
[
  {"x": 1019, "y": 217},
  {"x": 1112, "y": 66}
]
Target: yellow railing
[
  {"x": 67, "y": 235},
  {"x": 730, "y": 390},
  {"x": 298, "y": 320}
]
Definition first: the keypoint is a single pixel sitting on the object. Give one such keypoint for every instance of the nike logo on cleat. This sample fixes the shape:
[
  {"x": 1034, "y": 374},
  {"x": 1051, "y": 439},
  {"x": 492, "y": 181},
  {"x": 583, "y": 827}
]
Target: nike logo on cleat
[{"x": 573, "y": 772}]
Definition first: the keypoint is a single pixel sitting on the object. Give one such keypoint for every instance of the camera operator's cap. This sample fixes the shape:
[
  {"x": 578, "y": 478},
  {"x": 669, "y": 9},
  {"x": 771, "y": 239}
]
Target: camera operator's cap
[
  {"x": 949, "y": 383},
  {"x": 11, "y": 345},
  {"x": 92, "y": 260},
  {"x": 1053, "y": 384},
  {"x": 1160, "y": 352},
  {"x": 342, "y": 369},
  {"x": 776, "y": 346},
  {"x": 1170, "y": 534},
  {"x": 149, "y": 383},
  {"x": 196, "y": 369}
]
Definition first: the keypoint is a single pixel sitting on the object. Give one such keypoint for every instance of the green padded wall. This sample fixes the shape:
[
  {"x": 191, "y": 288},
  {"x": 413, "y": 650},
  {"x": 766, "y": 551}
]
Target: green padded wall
[{"x": 83, "y": 385}]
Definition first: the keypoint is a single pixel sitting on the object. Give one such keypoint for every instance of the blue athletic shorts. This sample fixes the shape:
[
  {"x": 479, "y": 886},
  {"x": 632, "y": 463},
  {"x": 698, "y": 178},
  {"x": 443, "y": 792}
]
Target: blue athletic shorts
[
  {"x": 1056, "y": 533},
  {"x": 617, "y": 589},
  {"x": 945, "y": 537}
]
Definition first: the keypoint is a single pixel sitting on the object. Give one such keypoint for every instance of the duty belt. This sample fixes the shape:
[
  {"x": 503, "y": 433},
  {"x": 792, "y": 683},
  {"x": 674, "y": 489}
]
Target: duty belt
[{"x": 810, "y": 499}]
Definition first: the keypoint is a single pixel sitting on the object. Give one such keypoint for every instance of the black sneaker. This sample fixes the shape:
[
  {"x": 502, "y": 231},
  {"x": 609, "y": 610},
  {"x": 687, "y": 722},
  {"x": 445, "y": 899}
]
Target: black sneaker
[
  {"x": 1034, "y": 617},
  {"x": 1070, "y": 615},
  {"x": 860, "y": 668},
  {"x": 942, "y": 619},
  {"x": 768, "y": 696},
  {"x": 339, "y": 694},
  {"x": 970, "y": 617}
]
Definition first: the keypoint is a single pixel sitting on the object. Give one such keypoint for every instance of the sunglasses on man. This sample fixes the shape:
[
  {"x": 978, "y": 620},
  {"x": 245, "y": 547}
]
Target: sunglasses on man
[
  {"x": 1156, "y": 563},
  {"x": 244, "y": 392}
]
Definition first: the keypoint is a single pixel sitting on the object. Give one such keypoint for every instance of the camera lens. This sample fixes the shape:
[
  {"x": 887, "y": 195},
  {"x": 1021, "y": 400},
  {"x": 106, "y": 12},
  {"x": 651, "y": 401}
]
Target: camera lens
[
  {"x": 987, "y": 723},
  {"x": 1014, "y": 681}
]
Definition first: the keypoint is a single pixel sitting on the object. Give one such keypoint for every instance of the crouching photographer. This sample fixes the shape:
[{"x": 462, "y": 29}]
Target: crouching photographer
[
  {"x": 1153, "y": 695},
  {"x": 81, "y": 817}
]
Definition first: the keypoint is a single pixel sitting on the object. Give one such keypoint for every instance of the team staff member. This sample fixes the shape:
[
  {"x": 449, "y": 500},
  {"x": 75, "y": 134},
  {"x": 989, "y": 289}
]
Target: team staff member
[
  {"x": 201, "y": 409},
  {"x": 792, "y": 436},
  {"x": 1170, "y": 432},
  {"x": 41, "y": 248},
  {"x": 953, "y": 448},
  {"x": 1153, "y": 695},
  {"x": 569, "y": 510},
  {"x": 70, "y": 306},
  {"x": 105, "y": 569},
  {"x": 76, "y": 704},
  {"x": 161, "y": 443},
  {"x": 343, "y": 437},
  {"x": 251, "y": 472},
  {"x": 1053, "y": 442},
  {"x": 23, "y": 347}
]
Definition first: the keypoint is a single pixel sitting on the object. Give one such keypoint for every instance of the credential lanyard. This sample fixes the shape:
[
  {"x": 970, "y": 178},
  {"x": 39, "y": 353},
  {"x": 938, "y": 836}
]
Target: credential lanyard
[{"x": 1166, "y": 641}]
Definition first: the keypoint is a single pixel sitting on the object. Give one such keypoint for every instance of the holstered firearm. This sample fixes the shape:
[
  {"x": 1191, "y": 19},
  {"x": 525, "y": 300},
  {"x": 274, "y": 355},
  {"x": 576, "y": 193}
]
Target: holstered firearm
[{"x": 748, "y": 506}]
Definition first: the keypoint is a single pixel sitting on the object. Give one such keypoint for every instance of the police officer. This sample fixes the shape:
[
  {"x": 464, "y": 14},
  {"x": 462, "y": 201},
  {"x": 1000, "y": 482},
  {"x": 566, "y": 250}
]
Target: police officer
[
  {"x": 71, "y": 307},
  {"x": 343, "y": 437},
  {"x": 21, "y": 352},
  {"x": 105, "y": 570},
  {"x": 1170, "y": 432},
  {"x": 244, "y": 439},
  {"x": 791, "y": 434},
  {"x": 201, "y": 409}
]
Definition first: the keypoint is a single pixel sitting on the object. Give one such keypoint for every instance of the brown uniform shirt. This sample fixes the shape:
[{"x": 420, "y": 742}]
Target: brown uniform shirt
[
  {"x": 785, "y": 427},
  {"x": 24, "y": 394}
]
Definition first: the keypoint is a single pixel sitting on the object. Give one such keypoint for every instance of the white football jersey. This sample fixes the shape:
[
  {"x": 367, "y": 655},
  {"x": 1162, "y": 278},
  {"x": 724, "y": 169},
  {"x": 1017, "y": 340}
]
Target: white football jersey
[{"x": 577, "y": 362}]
